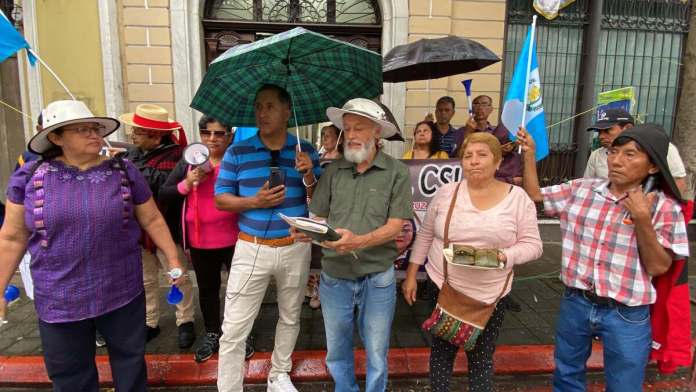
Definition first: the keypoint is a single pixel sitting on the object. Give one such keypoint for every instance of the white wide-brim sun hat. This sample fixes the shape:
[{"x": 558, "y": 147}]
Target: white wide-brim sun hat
[
  {"x": 365, "y": 108},
  {"x": 61, "y": 113}
]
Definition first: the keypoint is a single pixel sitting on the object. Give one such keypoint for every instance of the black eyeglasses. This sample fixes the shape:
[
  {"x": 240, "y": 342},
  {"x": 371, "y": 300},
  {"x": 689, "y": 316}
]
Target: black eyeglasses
[{"x": 86, "y": 130}]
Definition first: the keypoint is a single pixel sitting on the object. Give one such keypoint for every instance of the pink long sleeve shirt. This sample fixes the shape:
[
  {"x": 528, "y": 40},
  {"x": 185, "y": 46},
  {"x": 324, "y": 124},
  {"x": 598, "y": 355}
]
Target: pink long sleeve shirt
[
  {"x": 510, "y": 226},
  {"x": 216, "y": 229}
]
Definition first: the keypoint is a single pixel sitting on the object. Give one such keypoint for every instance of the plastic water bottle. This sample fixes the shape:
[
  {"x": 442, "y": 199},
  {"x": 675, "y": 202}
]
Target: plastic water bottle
[
  {"x": 11, "y": 293},
  {"x": 174, "y": 296}
]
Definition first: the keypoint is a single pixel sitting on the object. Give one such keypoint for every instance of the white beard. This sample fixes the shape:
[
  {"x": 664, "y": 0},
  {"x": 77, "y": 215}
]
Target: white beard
[{"x": 358, "y": 156}]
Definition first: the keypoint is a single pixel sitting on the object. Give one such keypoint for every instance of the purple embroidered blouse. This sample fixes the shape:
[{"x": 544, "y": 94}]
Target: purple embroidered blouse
[{"x": 85, "y": 256}]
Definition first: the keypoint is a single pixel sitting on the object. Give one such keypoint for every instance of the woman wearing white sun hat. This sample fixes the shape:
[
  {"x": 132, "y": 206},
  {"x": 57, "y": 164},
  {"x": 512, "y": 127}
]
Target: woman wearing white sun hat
[{"x": 69, "y": 209}]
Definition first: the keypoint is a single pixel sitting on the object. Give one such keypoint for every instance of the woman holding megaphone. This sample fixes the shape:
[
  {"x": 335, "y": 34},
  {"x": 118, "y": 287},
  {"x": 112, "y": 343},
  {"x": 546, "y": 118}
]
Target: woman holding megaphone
[{"x": 207, "y": 233}]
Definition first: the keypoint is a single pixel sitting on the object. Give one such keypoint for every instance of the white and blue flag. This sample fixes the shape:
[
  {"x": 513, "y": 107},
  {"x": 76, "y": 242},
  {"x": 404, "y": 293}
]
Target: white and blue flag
[
  {"x": 535, "y": 121},
  {"x": 11, "y": 41}
]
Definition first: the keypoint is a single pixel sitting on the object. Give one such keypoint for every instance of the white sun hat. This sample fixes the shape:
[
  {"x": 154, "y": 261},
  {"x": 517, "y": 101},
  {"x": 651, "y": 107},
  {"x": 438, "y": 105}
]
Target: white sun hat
[
  {"x": 61, "y": 113},
  {"x": 365, "y": 108}
]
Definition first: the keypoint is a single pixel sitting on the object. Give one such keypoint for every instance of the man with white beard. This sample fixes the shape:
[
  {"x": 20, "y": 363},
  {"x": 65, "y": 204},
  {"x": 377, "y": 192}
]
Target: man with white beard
[{"x": 366, "y": 197}]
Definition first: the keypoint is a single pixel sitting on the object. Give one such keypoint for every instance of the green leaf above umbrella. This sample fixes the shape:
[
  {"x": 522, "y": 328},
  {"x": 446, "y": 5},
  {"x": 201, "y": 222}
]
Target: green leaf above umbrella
[{"x": 316, "y": 70}]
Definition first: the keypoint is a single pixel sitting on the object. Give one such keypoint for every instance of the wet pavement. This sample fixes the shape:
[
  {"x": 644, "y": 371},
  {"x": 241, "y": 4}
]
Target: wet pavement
[{"x": 536, "y": 289}]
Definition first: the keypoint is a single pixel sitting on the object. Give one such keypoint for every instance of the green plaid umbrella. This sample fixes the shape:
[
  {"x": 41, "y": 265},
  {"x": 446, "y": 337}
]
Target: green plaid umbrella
[{"x": 316, "y": 70}]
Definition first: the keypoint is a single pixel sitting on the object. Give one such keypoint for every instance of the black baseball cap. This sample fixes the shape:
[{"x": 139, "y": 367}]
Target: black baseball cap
[{"x": 608, "y": 118}]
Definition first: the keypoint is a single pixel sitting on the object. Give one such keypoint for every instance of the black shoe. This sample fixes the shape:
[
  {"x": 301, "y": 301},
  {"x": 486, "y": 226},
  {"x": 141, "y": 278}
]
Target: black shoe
[
  {"x": 209, "y": 346},
  {"x": 187, "y": 335},
  {"x": 151, "y": 333},
  {"x": 249, "y": 348},
  {"x": 100, "y": 342}
]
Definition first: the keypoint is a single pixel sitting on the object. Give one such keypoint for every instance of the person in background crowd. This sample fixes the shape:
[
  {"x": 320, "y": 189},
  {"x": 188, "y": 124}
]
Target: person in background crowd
[
  {"x": 403, "y": 244},
  {"x": 426, "y": 144},
  {"x": 155, "y": 154},
  {"x": 366, "y": 196},
  {"x": 28, "y": 156},
  {"x": 450, "y": 138},
  {"x": 331, "y": 142},
  {"x": 208, "y": 233},
  {"x": 505, "y": 220},
  {"x": 617, "y": 236},
  {"x": 608, "y": 127},
  {"x": 510, "y": 169},
  {"x": 264, "y": 248},
  {"x": 80, "y": 215}
]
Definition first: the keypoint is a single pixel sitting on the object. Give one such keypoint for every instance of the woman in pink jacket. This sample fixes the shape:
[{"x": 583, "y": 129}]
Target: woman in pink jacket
[
  {"x": 207, "y": 233},
  {"x": 487, "y": 214}
]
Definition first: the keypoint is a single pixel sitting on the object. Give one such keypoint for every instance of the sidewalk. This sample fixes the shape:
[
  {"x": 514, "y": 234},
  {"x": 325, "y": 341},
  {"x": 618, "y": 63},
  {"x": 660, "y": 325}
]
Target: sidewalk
[
  {"x": 526, "y": 383},
  {"x": 539, "y": 299},
  {"x": 536, "y": 288}
]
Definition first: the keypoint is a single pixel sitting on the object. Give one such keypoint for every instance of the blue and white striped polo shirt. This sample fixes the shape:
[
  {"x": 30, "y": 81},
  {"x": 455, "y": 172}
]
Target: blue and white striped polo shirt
[
  {"x": 451, "y": 140},
  {"x": 246, "y": 167}
]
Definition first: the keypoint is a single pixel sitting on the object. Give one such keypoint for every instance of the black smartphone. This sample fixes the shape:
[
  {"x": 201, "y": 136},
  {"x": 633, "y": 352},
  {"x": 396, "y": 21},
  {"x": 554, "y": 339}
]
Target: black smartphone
[
  {"x": 276, "y": 178},
  {"x": 649, "y": 184}
]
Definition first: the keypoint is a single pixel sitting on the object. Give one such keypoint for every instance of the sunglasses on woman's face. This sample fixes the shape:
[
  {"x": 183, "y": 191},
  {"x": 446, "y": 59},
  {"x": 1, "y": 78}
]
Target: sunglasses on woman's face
[{"x": 209, "y": 133}]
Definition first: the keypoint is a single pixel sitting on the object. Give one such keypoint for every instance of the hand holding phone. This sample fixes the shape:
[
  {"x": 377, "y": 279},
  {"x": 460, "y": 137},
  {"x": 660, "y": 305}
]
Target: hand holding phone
[
  {"x": 268, "y": 196},
  {"x": 631, "y": 204}
]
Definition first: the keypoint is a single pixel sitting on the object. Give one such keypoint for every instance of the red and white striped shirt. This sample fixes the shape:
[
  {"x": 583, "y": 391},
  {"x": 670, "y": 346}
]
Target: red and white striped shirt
[{"x": 600, "y": 252}]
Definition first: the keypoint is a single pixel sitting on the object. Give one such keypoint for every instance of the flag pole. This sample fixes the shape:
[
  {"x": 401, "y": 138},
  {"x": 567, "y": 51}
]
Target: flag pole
[
  {"x": 60, "y": 82},
  {"x": 530, "y": 50}
]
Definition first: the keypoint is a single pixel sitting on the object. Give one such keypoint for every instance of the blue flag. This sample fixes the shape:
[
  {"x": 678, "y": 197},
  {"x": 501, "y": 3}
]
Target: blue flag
[
  {"x": 11, "y": 41},
  {"x": 535, "y": 121}
]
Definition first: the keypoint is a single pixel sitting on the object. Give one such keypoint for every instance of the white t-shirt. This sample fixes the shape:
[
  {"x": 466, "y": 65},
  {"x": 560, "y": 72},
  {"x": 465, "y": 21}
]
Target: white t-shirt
[{"x": 597, "y": 164}]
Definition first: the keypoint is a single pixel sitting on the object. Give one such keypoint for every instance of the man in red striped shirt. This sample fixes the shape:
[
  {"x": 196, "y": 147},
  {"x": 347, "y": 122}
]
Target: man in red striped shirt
[{"x": 616, "y": 237}]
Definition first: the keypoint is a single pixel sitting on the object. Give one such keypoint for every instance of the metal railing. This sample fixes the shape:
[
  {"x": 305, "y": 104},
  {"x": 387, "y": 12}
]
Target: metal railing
[{"x": 641, "y": 44}]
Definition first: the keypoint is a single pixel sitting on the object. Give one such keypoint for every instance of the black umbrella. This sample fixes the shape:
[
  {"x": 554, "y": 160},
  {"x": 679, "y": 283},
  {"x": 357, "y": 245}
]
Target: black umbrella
[
  {"x": 390, "y": 117},
  {"x": 435, "y": 58}
]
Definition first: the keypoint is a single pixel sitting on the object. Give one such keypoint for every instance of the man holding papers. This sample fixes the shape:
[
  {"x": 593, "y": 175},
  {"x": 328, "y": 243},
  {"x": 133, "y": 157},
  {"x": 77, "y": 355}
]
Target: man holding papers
[{"x": 365, "y": 196}]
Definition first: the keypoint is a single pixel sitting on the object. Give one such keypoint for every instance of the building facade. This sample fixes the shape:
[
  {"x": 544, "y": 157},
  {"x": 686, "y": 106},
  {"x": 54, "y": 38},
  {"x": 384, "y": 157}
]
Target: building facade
[{"x": 116, "y": 54}]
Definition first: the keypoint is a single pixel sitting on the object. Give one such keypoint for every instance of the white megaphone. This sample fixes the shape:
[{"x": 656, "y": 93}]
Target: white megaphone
[{"x": 198, "y": 155}]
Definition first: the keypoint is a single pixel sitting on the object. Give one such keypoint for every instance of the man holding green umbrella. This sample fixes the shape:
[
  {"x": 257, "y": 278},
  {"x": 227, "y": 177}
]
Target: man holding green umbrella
[
  {"x": 265, "y": 248},
  {"x": 313, "y": 72}
]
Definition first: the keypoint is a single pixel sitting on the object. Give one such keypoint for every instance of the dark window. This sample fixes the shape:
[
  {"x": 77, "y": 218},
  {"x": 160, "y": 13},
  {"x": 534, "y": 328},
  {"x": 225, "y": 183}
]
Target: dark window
[
  {"x": 641, "y": 44},
  {"x": 364, "y": 12}
]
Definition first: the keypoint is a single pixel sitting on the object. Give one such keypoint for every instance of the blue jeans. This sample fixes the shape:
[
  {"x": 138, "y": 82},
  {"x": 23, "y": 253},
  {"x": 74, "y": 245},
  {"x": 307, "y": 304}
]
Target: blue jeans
[
  {"x": 625, "y": 334},
  {"x": 374, "y": 296}
]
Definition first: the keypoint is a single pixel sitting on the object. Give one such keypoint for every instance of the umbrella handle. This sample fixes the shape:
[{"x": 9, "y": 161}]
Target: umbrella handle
[
  {"x": 297, "y": 134},
  {"x": 297, "y": 130}
]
